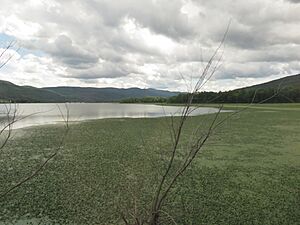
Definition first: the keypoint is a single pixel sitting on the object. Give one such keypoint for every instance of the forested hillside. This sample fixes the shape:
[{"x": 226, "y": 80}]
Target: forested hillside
[{"x": 283, "y": 90}]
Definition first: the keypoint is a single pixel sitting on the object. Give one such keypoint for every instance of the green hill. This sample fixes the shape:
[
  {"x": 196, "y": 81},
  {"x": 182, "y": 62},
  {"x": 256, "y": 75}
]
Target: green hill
[
  {"x": 285, "y": 82},
  {"x": 282, "y": 90},
  {"x": 15, "y": 93}
]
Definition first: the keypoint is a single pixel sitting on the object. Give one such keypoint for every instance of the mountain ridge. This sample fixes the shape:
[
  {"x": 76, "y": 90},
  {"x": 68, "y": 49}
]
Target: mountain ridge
[
  {"x": 289, "y": 86},
  {"x": 30, "y": 94}
]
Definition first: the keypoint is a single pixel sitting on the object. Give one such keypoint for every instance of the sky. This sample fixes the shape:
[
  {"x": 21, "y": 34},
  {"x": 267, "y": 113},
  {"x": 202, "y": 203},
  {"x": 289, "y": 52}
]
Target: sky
[{"x": 163, "y": 44}]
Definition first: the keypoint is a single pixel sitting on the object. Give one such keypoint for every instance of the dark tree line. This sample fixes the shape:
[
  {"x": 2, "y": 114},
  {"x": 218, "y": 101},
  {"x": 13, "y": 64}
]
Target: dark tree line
[
  {"x": 284, "y": 95},
  {"x": 148, "y": 99}
]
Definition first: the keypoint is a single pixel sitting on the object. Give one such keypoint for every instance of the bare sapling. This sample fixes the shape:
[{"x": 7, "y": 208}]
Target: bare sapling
[{"x": 197, "y": 141}]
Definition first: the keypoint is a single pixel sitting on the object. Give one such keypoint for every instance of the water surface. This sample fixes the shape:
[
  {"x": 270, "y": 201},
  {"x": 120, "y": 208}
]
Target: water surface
[{"x": 51, "y": 113}]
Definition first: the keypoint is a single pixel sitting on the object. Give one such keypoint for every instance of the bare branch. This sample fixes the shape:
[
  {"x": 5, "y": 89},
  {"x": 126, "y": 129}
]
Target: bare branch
[
  {"x": 40, "y": 168},
  {"x": 162, "y": 191},
  {"x": 9, "y": 46}
]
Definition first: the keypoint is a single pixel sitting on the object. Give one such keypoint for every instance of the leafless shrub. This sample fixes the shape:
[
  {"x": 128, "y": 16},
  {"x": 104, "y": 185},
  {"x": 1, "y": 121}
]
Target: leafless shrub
[{"x": 197, "y": 141}]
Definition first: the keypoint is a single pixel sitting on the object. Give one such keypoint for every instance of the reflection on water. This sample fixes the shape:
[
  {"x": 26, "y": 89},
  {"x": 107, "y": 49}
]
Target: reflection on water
[{"x": 48, "y": 113}]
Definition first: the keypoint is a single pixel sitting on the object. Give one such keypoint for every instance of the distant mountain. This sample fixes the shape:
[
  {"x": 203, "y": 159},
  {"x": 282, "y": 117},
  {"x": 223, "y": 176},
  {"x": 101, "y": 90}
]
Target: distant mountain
[
  {"x": 15, "y": 93},
  {"x": 282, "y": 90},
  {"x": 289, "y": 91},
  {"x": 81, "y": 94}
]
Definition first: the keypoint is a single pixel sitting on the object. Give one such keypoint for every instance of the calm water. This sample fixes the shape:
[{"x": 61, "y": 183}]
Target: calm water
[{"x": 47, "y": 113}]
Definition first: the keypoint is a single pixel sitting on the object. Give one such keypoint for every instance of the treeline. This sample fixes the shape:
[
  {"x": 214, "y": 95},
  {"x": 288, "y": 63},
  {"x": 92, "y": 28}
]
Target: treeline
[
  {"x": 266, "y": 95},
  {"x": 3, "y": 101},
  {"x": 148, "y": 99},
  {"x": 24, "y": 100},
  {"x": 247, "y": 95}
]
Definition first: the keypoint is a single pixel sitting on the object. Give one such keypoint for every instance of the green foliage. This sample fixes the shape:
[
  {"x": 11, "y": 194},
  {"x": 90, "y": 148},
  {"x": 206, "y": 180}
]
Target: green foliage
[
  {"x": 247, "y": 174},
  {"x": 148, "y": 99},
  {"x": 285, "y": 95},
  {"x": 285, "y": 90}
]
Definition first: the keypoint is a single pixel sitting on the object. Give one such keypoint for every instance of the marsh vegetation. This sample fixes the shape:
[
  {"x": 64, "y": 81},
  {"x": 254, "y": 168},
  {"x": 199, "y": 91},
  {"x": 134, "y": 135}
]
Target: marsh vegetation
[{"x": 248, "y": 173}]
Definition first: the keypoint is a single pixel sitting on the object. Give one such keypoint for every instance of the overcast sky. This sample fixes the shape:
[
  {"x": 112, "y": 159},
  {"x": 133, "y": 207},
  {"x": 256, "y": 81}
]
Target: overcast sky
[{"x": 149, "y": 43}]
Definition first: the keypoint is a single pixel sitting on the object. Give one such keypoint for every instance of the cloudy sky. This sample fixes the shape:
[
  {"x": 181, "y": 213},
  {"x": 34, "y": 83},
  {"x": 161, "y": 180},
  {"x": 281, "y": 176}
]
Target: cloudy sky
[{"x": 160, "y": 44}]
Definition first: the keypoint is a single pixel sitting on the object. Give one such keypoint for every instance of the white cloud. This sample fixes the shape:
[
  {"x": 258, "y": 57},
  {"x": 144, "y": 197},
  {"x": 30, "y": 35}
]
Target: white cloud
[{"x": 148, "y": 43}]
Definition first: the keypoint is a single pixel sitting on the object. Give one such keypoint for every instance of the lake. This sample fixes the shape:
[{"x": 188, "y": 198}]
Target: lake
[{"x": 51, "y": 113}]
